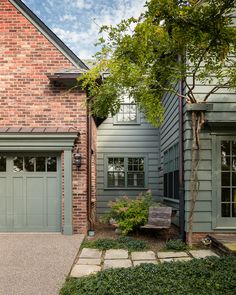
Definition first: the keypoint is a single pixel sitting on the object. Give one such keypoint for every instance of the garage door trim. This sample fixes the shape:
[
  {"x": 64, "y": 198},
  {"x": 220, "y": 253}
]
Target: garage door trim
[{"x": 37, "y": 142}]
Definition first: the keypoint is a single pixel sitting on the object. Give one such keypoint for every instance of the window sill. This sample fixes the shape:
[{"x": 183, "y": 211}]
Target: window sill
[
  {"x": 171, "y": 200},
  {"x": 125, "y": 188},
  {"x": 127, "y": 123}
]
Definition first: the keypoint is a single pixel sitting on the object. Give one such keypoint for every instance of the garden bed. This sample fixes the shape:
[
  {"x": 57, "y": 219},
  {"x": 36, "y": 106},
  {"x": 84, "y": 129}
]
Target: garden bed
[{"x": 154, "y": 239}]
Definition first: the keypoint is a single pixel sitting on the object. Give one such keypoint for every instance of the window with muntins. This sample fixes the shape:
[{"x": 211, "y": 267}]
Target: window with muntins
[
  {"x": 34, "y": 164},
  {"x": 126, "y": 172},
  {"x": 128, "y": 113},
  {"x": 171, "y": 172}
]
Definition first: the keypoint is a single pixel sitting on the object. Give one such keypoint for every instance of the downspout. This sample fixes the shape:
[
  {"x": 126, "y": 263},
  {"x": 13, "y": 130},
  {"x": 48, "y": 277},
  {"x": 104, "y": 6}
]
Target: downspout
[
  {"x": 181, "y": 165},
  {"x": 89, "y": 172}
]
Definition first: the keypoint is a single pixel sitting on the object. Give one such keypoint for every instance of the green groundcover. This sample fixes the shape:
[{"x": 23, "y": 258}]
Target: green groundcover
[{"x": 196, "y": 277}]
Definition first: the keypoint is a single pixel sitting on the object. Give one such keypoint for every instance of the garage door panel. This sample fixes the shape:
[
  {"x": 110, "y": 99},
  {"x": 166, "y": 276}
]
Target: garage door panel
[
  {"x": 35, "y": 200},
  {"x": 53, "y": 220},
  {"x": 53, "y": 202},
  {"x": 35, "y": 220},
  {"x": 52, "y": 187},
  {"x": 3, "y": 195},
  {"x": 19, "y": 220},
  {"x": 35, "y": 187},
  {"x": 17, "y": 183},
  {"x": 18, "y": 196}
]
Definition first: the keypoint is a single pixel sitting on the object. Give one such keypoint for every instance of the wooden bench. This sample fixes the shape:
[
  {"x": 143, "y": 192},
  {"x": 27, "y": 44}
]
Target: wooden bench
[{"x": 159, "y": 218}]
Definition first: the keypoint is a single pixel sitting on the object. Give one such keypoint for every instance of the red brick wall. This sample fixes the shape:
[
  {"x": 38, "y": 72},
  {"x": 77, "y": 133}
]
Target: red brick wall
[
  {"x": 28, "y": 99},
  {"x": 197, "y": 237}
]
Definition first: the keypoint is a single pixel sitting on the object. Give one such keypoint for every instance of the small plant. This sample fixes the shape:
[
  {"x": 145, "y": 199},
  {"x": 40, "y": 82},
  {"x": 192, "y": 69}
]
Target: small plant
[
  {"x": 129, "y": 214},
  {"x": 176, "y": 245},
  {"x": 131, "y": 244},
  {"x": 121, "y": 243},
  {"x": 101, "y": 244}
]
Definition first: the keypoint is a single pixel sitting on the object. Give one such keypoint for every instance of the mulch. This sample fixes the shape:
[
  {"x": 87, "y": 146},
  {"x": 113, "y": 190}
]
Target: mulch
[{"x": 155, "y": 239}]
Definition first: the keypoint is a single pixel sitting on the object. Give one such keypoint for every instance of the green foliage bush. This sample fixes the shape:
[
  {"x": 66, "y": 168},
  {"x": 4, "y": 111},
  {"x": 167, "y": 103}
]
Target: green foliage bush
[
  {"x": 129, "y": 214},
  {"x": 128, "y": 243},
  {"x": 211, "y": 276},
  {"x": 176, "y": 245}
]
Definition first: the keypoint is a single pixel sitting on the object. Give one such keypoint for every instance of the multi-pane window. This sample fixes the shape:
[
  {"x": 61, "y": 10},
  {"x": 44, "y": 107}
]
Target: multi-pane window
[
  {"x": 135, "y": 174},
  {"x": 34, "y": 164},
  {"x": 228, "y": 178},
  {"x": 116, "y": 172},
  {"x": 3, "y": 163},
  {"x": 171, "y": 172},
  {"x": 126, "y": 172},
  {"x": 128, "y": 112}
]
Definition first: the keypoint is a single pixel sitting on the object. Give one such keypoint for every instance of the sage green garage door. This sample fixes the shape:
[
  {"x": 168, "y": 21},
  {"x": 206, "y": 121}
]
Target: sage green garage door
[{"x": 29, "y": 193}]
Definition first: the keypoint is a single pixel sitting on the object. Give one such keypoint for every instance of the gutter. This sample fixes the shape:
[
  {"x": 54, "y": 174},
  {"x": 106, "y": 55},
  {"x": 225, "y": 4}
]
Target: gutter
[
  {"x": 181, "y": 163},
  {"x": 89, "y": 174}
]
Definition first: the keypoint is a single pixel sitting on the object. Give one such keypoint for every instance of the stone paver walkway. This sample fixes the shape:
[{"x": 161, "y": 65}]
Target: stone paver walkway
[{"x": 91, "y": 261}]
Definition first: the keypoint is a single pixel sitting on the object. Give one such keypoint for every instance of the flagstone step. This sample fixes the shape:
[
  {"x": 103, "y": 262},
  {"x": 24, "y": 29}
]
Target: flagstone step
[{"x": 91, "y": 261}]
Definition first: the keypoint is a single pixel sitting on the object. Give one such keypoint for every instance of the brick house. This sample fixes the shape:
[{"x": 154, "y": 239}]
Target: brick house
[{"x": 47, "y": 138}]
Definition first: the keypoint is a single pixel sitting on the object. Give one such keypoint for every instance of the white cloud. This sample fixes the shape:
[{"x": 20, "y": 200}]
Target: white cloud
[
  {"x": 83, "y": 4},
  {"x": 77, "y": 22},
  {"x": 123, "y": 9},
  {"x": 68, "y": 17}
]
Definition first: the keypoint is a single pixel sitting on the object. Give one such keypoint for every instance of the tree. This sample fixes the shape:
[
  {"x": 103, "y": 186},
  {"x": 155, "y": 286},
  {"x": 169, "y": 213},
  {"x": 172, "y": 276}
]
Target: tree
[{"x": 173, "y": 40}]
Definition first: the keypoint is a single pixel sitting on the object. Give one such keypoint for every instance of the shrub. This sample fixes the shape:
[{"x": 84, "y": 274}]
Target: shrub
[
  {"x": 198, "y": 276},
  {"x": 121, "y": 243},
  {"x": 129, "y": 214},
  {"x": 176, "y": 245}
]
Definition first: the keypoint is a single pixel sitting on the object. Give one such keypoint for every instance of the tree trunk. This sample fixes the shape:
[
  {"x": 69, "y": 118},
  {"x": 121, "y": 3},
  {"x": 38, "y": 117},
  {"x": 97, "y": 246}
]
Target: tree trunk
[{"x": 197, "y": 121}]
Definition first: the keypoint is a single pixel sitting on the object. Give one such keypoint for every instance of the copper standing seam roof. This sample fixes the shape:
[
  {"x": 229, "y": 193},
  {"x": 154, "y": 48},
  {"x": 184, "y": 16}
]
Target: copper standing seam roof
[{"x": 38, "y": 130}]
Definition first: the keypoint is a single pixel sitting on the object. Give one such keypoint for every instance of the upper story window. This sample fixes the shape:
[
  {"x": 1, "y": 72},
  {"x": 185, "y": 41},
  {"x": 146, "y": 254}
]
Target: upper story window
[
  {"x": 171, "y": 172},
  {"x": 126, "y": 172},
  {"x": 128, "y": 113}
]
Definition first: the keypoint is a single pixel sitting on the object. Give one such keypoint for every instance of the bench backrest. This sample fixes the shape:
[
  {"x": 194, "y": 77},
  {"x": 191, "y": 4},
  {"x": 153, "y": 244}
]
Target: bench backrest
[{"x": 160, "y": 216}]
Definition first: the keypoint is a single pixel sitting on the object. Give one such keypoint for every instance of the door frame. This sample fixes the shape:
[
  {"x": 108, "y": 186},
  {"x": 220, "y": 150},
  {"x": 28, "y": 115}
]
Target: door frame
[{"x": 218, "y": 222}]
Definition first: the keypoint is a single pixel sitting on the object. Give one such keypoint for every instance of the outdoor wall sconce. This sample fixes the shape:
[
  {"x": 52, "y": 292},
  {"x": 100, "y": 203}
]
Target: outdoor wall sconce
[{"x": 78, "y": 159}]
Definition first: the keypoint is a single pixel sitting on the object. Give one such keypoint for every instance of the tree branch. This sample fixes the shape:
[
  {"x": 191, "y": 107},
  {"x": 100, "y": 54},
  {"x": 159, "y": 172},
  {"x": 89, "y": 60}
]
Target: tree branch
[
  {"x": 190, "y": 93},
  {"x": 213, "y": 90},
  {"x": 176, "y": 93}
]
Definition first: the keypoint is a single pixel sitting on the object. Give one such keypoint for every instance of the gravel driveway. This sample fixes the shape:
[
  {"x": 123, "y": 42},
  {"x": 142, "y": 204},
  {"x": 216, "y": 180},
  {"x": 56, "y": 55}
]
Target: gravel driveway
[{"x": 36, "y": 264}]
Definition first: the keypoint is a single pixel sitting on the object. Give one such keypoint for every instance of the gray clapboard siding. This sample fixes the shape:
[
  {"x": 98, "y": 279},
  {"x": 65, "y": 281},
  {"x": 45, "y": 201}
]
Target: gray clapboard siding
[
  {"x": 199, "y": 217},
  {"x": 169, "y": 135},
  {"x": 203, "y": 196},
  {"x": 201, "y": 206},
  {"x": 224, "y": 107},
  {"x": 114, "y": 139}
]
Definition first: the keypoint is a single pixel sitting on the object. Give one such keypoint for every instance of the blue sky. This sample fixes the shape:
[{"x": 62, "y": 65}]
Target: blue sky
[{"x": 77, "y": 22}]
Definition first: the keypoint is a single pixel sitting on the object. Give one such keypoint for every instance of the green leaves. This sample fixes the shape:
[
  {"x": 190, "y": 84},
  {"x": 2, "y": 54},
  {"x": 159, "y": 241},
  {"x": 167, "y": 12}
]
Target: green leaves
[
  {"x": 130, "y": 214},
  {"x": 128, "y": 243},
  {"x": 176, "y": 245},
  {"x": 212, "y": 276},
  {"x": 142, "y": 55}
]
